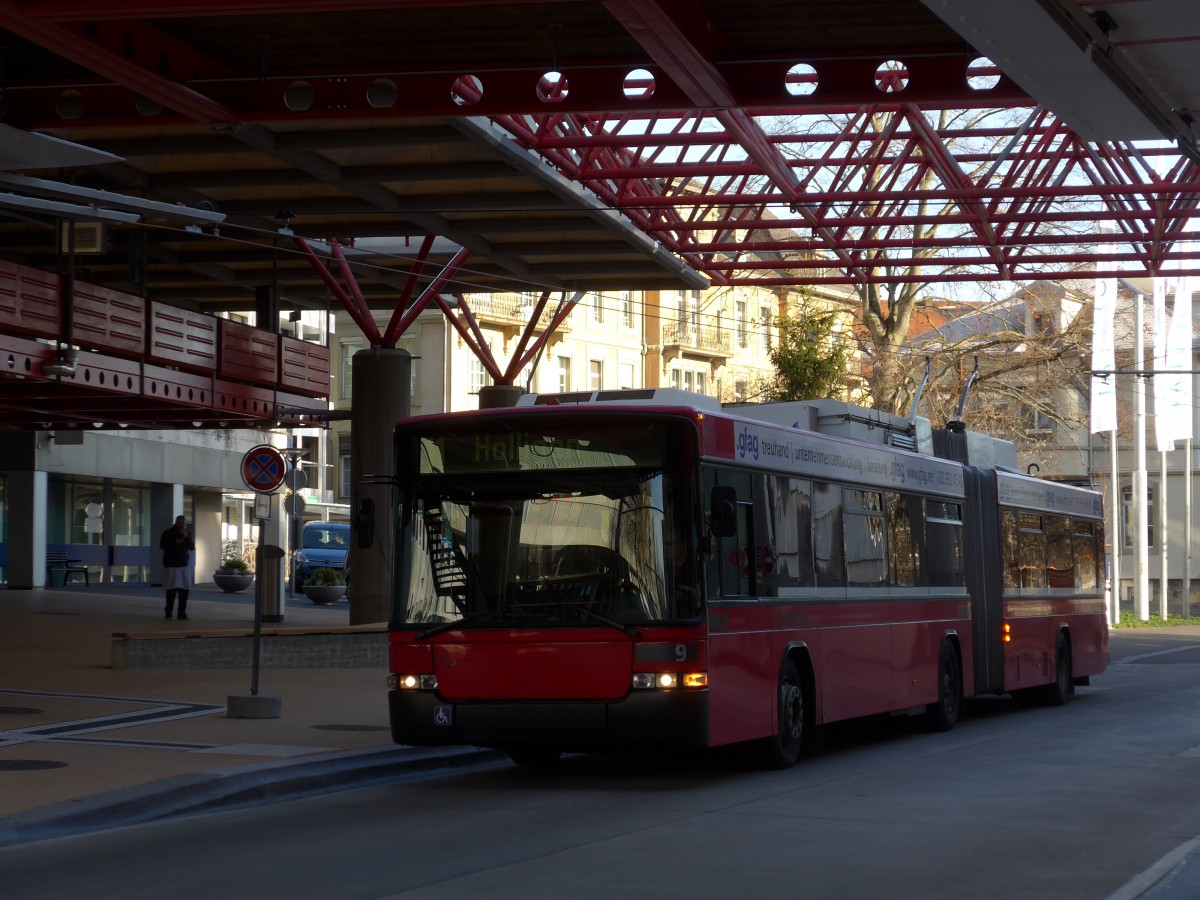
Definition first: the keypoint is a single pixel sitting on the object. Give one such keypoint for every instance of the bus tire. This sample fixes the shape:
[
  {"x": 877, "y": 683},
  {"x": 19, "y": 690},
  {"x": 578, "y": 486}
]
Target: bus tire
[
  {"x": 534, "y": 755},
  {"x": 782, "y": 750},
  {"x": 1062, "y": 687},
  {"x": 942, "y": 715}
]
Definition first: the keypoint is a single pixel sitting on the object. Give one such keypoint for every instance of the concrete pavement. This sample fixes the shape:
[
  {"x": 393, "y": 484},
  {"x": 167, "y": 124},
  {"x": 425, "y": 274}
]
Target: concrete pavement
[{"x": 86, "y": 745}]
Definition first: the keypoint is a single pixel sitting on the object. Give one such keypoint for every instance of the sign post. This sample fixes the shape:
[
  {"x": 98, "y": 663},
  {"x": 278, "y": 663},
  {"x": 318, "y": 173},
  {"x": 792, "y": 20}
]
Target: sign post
[{"x": 263, "y": 471}]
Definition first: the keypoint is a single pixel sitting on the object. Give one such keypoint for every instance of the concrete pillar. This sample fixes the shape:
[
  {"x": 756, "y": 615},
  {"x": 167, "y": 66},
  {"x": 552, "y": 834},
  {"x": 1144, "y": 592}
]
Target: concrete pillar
[
  {"x": 379, "y": 397},
  {"x": 166, "y": 502},
  {"x": 207, "y": 511},
  {"x": 27, "y": 541},
  {"x": 499, "y": 396}
]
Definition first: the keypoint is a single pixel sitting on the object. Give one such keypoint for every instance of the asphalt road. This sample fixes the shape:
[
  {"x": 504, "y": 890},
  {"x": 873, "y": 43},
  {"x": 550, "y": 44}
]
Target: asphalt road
[{"x": 1085, "y": 801}]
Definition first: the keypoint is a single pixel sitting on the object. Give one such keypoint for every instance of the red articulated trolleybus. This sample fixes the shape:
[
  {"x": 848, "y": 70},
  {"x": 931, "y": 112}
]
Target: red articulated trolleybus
[{"x": 632, "y": 568}]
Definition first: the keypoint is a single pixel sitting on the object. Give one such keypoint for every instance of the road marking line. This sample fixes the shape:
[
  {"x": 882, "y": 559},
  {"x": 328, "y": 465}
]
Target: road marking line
[
  {"x": 1141, "y": 656},
  {"x": 155, "y": 711}
]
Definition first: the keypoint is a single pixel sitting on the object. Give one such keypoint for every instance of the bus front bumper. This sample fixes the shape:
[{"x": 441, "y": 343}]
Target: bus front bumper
[{"x": 650, "y": 718}]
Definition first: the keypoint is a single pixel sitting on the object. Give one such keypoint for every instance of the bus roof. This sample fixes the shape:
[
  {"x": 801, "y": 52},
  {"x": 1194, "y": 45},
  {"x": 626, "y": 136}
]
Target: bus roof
[
  {"x": 823, "y": 416},
  {"x": 811, "y": 454},
  {"x": 1027, "y": 492},
  {"x": 734, "y": 435}
]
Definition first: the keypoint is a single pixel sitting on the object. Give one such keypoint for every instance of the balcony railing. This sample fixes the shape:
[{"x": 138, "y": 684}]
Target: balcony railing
[
  {"x": 510, "y": 309},
  {"x": 697, "y": 338}
]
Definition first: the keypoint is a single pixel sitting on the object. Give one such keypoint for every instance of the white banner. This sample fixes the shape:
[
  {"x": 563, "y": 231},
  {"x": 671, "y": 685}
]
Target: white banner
[
  {"x": 1162, "y": 416},
  {"x": 1178, "y": 392},
  {"x": 1104, "y": 388}
]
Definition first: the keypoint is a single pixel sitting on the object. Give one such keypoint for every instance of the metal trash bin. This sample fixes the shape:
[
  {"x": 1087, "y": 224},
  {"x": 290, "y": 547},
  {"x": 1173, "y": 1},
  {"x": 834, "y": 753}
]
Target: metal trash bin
[{"x": 270, "y": 575}]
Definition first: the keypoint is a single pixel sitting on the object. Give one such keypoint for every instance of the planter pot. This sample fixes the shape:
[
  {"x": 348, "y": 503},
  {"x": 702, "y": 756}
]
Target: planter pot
[
  {"x": 324, "y": 593},
  {"x": 232, "y": 583}
]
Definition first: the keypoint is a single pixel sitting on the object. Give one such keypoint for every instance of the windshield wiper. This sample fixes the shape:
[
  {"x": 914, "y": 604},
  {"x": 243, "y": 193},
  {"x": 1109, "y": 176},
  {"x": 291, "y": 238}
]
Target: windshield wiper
[
  {"x": 476, "y": 616},
  {"x": 608, "y": 620},
  {"x": 452, "y": 624}
]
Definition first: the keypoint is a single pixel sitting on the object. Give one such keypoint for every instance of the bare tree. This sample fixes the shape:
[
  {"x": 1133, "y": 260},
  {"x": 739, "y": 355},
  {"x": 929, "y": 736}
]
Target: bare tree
[
  {"x": 1026, "y": 358},
  {"x": 910, "y": 169}
]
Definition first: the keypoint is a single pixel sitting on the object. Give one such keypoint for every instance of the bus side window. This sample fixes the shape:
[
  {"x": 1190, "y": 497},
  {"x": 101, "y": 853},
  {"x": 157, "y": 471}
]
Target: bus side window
[
  {"x": 944, "y": 558},
  {"x": 1008, "y": 544},
  {"x": 1060, "y": 566},
  {"x": 731, "y": 564},
  {"x": 904, "y": 550},
  {"x": 827, "y": 534},
  {"x": 806, "y": 573},
  {"x": 790, "y": 510},
  {"x": 1031, "y": 549},
  {"x": 865, "y": 538},
  {"x": 1086, "y": 557}
]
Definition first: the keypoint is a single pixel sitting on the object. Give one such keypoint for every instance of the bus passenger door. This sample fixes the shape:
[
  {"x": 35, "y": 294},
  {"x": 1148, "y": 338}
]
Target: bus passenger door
[
  {"x": 734, "y": 557},
  {"x": 741, "y": 703}
]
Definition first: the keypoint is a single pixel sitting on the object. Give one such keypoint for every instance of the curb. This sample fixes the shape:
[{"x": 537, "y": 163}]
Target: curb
[{"x": 240, "y": 786}]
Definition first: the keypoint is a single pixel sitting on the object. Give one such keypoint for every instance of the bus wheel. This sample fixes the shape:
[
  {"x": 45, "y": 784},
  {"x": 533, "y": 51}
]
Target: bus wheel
[
  {"x": 534, "y": 755},
  {"x": 782, "y": 750},
  {"x": 1063, "y": 685},
  {"x": 943, "y": 714}
]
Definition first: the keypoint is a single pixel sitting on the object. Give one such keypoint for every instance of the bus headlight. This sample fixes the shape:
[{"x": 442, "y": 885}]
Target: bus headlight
[
  {"x": 667, "y": 681},
  {"x": 410, "y": 682}
]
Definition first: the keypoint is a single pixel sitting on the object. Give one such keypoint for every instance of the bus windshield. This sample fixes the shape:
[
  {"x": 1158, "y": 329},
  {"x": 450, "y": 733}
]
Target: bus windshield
[{"x": 558, "y": 530}]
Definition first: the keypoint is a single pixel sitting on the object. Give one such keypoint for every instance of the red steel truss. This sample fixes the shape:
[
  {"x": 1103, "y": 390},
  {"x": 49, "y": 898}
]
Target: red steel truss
[
  {"x": 892, "y": 173},
  {"x": 885, "y": 193},
  {"x": 529, "y": 344}
]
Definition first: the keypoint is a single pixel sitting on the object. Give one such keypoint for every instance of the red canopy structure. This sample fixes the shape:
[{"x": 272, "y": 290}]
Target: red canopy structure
[
  {"x": 818, "y": 130},
  {"x": 571, "y": 145}
]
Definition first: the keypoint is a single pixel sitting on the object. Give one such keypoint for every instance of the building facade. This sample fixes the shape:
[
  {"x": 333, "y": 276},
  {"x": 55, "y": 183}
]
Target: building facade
[
  {"x": 103, "y": 497},
  {"x": 713, "y": 342},
  {"x": 1062, "y": 447}
]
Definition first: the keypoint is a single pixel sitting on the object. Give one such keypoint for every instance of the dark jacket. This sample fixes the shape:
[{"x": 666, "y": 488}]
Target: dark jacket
[{"x": 175, "y": 547}]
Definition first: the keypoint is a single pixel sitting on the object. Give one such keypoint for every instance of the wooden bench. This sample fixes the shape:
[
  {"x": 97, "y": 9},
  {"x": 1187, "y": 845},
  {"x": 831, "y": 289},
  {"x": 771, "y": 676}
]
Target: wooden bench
[{"x": 57, "y": 561}]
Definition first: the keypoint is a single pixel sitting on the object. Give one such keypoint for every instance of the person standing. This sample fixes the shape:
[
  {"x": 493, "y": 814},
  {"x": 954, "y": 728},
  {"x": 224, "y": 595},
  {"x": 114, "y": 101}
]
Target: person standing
[{"x": 176, "y": 544}]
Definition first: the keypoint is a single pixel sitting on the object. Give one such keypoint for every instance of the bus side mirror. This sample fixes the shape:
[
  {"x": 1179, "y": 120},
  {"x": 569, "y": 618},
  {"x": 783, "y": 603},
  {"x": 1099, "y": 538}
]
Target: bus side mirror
[
  {"x": 364, "y": 523},
  {"x": 722, "y": 511}
]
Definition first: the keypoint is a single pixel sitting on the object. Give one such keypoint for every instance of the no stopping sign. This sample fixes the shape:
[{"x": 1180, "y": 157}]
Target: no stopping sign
[{"x": 263, "y": 468}]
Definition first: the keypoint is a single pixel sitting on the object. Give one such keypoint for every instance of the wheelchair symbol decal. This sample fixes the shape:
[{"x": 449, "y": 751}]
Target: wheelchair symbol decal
[{"x": 442, "y": 715}]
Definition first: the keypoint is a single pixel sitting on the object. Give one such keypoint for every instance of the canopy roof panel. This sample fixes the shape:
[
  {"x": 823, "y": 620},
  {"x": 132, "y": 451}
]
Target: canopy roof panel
[{"x": 612, "y": 144}]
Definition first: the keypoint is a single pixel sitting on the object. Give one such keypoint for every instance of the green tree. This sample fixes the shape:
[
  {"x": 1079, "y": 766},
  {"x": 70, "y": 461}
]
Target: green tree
[{"x": 810, "y": 356}]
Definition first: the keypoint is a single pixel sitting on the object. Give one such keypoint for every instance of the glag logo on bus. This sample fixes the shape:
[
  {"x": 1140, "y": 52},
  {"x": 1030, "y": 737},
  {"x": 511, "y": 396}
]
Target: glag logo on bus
[
  {"x": 751, "y": 446},
  {"x": 747, "y": 445}
]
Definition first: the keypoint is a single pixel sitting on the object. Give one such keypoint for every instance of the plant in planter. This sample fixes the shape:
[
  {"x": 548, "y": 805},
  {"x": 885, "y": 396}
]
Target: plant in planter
[
  {"x": 234, "y": 574},
  {"x": 325, "y": 585}
]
